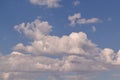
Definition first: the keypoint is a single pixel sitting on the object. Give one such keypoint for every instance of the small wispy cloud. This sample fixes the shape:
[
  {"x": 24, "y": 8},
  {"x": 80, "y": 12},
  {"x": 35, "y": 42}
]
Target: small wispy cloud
[
  {"x": 93, "y": 28},
  {"x": 76, "y": 2},
  {"x": 77, "y": 19},
  {"x": 47, "y": 3},
  {"x": 109, "y": 19}
]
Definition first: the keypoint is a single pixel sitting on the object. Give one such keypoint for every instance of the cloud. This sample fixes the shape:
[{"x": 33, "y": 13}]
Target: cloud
[
  {"x": 28, "y": 67},
  {"x": 73, "y": 19},
  {"x": 94, "y": 28},
  {"x": 34, "y": 30},
  {"x": 76, "y": 2},
  {"x": 4, "y": 76},
  {"x": 47, "y": 3},
  {"x": 75, "y": 43},
  {"x": 72, "y": 44},
  {"x": 19, "y": 76},
  {"x": 108, "y": 55},
  {"x": 69, "y": 57},
  {"x": 19, "y": 62},
  {"x": 77, "y": 19},
  {"x": 19, "y": 66}
]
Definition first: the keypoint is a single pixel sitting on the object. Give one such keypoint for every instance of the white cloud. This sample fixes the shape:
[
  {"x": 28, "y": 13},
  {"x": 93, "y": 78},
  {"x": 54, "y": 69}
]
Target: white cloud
[
  {"x": 88, "y": 21},
  {"x": 75, "y": 43},
  {"x": 110, "y": 57},
  {"x": 47, "y": 3},
  {"x": 74, "y": 18},
  {"x": 35, "y": 30},
  {"x": 77, "y": 19},
  {"x": 20, "y": 76},
  {"x": 107, "y": 55},
  {"x": 94, "y": 28},
  {"x": 4, "y": 76},
  {"x": 76, "y": 2},
  {"x": 16, "y": 65},
  {"x": 53, "y": 57}
]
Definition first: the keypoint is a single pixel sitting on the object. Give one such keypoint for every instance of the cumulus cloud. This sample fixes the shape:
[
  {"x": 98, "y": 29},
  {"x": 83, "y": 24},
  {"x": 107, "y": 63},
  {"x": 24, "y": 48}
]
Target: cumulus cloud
[
  {"x": 27, "y": 67},
  {"x": 108, "y": 55},
  {"x": 35, "y": 29},
  {"x": 72, "y": 44},
  {"x": 4, "y": 76},
  {"x": 16, "y": 65},
  {"x": 75, "y": 43},
  {"x": 47, "y": 3},
  {"x": 68, "y": 57},
  {"x": 77, "y": 19}
]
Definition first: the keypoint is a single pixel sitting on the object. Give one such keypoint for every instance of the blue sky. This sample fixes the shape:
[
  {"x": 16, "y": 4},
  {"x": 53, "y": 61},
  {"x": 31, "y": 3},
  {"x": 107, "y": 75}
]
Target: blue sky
[{"x": 105, "y": 33}]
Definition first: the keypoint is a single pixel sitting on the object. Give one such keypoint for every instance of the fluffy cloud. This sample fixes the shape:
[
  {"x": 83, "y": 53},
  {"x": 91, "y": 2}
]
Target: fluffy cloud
[
  {"x": 34, "y": 30},
  {"x": 75, "y": 43},
  {"x": 29, "y": 63},
  {"x": 108, "y": 55},
  {"x": 16, "y": 65},
  {"x": 4, "y": 76},
  {"x": 73, "y": 19},
  {"x": 77, "y": 19},
  {"x": 28, "y": 67},
  {"x": 53, "y": 57},
  {"x": 48, "y": 3}
]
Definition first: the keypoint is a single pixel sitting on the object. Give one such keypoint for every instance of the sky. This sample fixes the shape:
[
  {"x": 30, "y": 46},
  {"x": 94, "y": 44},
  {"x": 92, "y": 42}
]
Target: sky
[{"x": 59, "y": 39}]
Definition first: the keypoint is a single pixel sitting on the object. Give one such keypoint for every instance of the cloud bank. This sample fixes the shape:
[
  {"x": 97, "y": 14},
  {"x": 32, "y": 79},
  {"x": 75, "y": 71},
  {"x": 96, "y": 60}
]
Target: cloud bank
[{"x": 70, "y": 57}]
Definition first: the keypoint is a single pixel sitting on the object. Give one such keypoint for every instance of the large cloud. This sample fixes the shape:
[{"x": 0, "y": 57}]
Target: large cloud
[
  {"x": 53, "y": 57},
  {"x": 75, "y": 43},
  {"x": 18, "y": 62},
  {"x": 48, "y": 3},
  {"x": 16, "y": 65}
]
